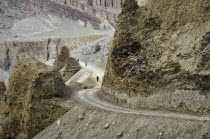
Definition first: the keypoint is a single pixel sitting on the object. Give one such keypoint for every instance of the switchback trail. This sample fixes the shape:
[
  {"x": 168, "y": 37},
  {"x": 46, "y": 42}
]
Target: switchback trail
[{"x": 89, "y": 96}]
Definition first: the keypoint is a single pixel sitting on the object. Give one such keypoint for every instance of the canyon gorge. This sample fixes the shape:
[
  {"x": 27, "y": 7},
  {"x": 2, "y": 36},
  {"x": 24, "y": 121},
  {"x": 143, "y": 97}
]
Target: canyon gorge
[{"x": 98, "y": 69}]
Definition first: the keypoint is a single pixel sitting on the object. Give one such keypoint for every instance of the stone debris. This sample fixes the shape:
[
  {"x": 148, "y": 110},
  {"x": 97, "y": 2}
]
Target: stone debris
[
  {"x": 119, "y": 135},
  {"x": 58, "y": 122},
  {"x": 107, "y": 126},
  {"x": 81, "y": 117}
]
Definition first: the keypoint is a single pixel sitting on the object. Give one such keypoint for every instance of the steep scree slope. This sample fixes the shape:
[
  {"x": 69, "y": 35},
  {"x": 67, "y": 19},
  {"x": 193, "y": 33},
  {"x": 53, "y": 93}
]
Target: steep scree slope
[{"x": 159, "y": 58}]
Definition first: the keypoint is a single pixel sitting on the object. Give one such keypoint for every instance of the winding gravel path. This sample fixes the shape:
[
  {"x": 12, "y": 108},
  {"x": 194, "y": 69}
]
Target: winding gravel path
[{"x": 89, "y": 96}]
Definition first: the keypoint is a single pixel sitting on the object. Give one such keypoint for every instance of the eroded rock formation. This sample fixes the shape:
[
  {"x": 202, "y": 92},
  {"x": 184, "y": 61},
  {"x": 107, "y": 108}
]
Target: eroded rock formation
[
  {"x": 27, "y": 106},
  {"x": 67, "y": 65},
  {"x": 159, "y": 58}
]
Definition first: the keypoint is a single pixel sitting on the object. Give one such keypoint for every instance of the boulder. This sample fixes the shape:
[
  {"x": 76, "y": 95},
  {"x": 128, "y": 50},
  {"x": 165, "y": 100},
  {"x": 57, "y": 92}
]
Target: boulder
[
  {"x": 67, "y": 65},
  {"x": 27, "y": 106},
  {"x": 97, "y": 48}
]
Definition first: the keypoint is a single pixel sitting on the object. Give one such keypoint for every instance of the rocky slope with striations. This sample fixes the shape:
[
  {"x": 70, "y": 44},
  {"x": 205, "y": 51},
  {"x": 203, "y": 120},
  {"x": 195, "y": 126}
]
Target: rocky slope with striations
[
  {"x": 159, "y": 58},
  {"x": 93, "y": 14}
]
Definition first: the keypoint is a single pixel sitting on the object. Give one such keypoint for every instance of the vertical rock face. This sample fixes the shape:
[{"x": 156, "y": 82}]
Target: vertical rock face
[
  {"x": 11, "y": 51},
  {"x": 100, "y": 3},
  {"x": 107, "y": 9},
  {"x": 159, "y": 58},
  {"x": 27, "y": 106}
]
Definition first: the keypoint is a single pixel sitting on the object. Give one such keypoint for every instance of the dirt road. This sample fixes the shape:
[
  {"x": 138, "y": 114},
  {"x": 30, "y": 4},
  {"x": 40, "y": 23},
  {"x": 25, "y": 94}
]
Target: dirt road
[{"x": 89, "y": 96}]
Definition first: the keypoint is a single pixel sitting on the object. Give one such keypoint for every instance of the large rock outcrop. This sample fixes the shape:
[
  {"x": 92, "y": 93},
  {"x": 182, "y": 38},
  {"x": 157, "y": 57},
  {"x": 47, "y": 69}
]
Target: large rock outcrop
[
  {"x": 159, "y": 58},
  {"x": 28, "y": 105}
]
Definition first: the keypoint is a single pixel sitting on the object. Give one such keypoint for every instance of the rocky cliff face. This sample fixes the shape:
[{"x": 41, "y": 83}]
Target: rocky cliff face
[
  {"x": 159, "y": 58},
  {"x": 27, "y": 106},
  {"x": 91, "y": 13},
  {"x": 107, "y": 9},
  {"x": 40, "y": 49},
  {"x": 58, "y": 8}
]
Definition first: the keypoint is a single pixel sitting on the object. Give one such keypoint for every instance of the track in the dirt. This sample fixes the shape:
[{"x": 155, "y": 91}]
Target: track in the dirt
[{"x": 89, "y": 97}]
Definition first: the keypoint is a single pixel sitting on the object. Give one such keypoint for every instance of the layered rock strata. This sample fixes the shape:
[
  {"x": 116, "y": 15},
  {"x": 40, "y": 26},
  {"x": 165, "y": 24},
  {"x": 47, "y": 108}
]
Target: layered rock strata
[
  {"x": 107, "y": 9},
  {"x": 91, "y": 13},
  {"x": 27, "y": 106},
  {"x": 159, "y": 58}
]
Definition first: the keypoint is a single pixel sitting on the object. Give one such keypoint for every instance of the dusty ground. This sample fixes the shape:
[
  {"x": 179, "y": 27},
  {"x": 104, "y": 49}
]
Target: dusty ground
[{"x": 84, "y": 122}]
